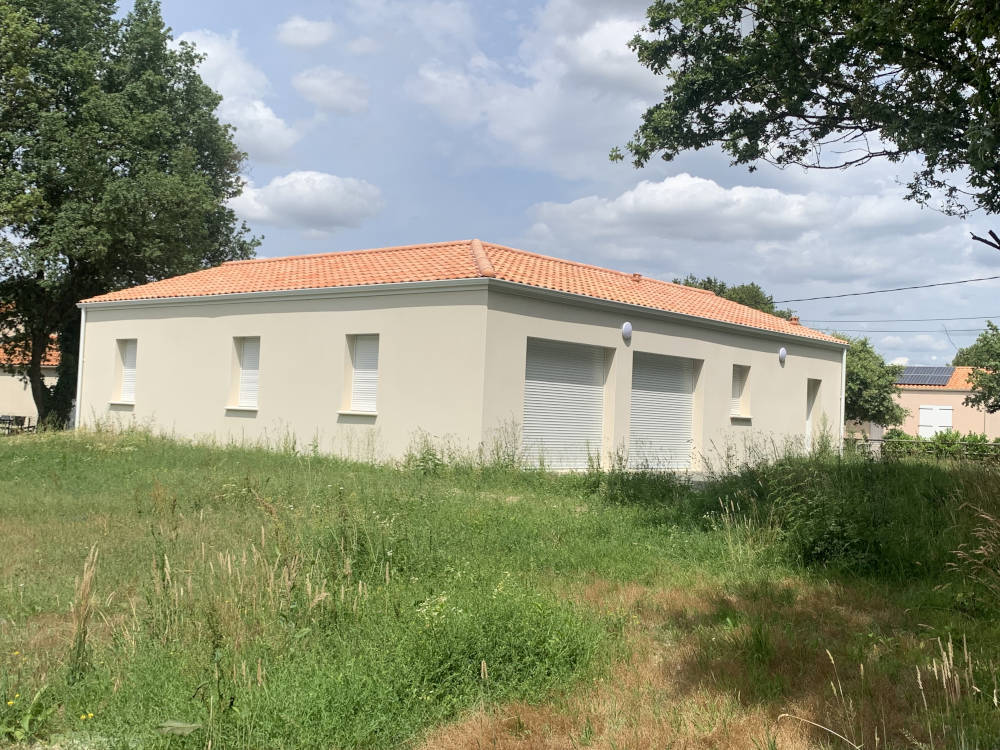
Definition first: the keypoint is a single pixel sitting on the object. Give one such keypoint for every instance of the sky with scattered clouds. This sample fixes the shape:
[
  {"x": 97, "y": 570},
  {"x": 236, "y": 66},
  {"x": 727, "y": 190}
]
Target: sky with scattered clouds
[{"x": 383, "y": 122}]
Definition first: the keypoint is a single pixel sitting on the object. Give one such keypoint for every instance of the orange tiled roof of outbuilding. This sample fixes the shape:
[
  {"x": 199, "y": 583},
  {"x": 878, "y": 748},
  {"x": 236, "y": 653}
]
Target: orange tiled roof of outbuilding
[{"x": 465, "y": 259}]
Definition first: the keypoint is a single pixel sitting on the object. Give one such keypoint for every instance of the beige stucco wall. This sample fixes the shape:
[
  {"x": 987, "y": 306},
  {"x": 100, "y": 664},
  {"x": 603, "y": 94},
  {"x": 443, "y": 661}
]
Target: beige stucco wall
[
  {"x": 777, "y": 393},
  {"x": 15, "y": 395},
  {"x": 430, "y": 368},
  {"x": 451, "y": 363},
  {"x": 964, "y": 419}
]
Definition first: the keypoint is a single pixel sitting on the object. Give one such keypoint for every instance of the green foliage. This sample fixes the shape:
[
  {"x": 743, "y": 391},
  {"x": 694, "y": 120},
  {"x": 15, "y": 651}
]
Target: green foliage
[
  {"x": 827, "y": 84},
  {"x": 894, "y": 519},
  {"x": 281, "y": 599},
  {"x": 750, "y": 294},
  {"x": 983, "y": 355},
  {"x": 114, "y": 171},
  {"x": 871, "y": 385},
  {"x": 983, "y": 352},
  {"x": 22, "y": 720}
]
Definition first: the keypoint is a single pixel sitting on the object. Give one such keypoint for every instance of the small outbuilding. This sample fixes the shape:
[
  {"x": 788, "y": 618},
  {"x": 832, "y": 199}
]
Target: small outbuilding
[
  {"x": 472, "y": 343},
  {"x": 934, "y": 398}
]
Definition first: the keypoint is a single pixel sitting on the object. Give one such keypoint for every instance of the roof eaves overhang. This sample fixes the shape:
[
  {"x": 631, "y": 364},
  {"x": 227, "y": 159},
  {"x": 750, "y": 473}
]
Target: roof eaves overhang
[
  {"x": 514, "y": 287},
  {"x": 467, "y": 284},
  {"x": 361, "y": 290}
]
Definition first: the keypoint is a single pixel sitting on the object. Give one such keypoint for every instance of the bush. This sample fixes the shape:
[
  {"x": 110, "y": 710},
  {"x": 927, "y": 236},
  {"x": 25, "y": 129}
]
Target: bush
[{"x": 865, "y": 517}]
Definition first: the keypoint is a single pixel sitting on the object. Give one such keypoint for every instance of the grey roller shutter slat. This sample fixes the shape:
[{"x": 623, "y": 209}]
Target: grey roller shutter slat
[
  {"x": 249, "y": 372},
  {"x": 660, "y": 434},
  {"x": 364, "y": 385},
  {"x": 563, "y": 404},
  {"x": 128, "y": 370}
]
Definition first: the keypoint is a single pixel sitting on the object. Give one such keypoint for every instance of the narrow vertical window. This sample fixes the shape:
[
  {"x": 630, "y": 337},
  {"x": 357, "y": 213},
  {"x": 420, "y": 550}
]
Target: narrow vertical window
[
  {"x": 126, "y": 353},
  {"x": 364, "y": 381},
  {"x": 249, "y": 356},
  {"x": 739, "y": 406}
]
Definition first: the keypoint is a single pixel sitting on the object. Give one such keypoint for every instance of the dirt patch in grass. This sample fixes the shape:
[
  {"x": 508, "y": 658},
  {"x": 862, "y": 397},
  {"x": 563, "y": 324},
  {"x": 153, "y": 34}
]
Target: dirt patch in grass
[{"x": 711, "y": 668}]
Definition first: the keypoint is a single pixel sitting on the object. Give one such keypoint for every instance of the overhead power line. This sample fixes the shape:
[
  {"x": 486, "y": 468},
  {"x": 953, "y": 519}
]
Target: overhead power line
[
  {"x": 883, "y": 291},
  {"x": 903, "y": 330},
  {"x": 898, "y": 320}
]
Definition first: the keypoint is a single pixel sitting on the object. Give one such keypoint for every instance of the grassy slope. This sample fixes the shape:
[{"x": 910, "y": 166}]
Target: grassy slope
[{"x": 293, "y": 601}]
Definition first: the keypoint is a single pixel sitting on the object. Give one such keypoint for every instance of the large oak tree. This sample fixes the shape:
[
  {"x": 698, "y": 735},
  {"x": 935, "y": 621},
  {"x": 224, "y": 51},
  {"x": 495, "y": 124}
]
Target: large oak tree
[
  {"x": 114, "y": 171},
  {"x": 829, "y": 84}
]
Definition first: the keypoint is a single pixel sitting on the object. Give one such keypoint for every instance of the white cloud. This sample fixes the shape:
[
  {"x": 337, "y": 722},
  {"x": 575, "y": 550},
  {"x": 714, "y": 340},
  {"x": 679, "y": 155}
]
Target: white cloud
[
  {"x": 301, "y": 32},
  {"x": 309, "y": 200},
  {"x": 439, "y": 23},
  {"x": 573, "y": 90},
  {"x": 363, "y": 45},
  {"x": 900, "y": 360},
  {"x": 243, "y": 86},
  {"x": 332, "y": 90}
]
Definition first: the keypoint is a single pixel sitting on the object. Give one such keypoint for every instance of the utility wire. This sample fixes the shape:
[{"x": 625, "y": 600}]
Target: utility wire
[
  {"x": 883, "y": 291},
  {"x": 897, "y": 320},
  {"x": 902, "y": 330}
]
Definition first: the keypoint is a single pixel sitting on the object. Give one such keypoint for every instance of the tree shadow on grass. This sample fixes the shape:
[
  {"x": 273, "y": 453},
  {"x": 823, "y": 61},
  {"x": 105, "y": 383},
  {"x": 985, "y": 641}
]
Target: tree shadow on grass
[{"x": 715, "y": 667}]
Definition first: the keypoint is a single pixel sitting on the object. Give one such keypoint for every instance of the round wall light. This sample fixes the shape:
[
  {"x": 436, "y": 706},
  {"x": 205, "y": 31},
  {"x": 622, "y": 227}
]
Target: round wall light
[
  {"x": 782, "y": 355},
  {"x": 627, "y": 331}
]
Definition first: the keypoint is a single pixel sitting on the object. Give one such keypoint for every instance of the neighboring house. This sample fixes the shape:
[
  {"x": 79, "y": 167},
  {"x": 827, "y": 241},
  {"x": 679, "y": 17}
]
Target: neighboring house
[
  {"x": 466, "y": 341},
  {"x": 15, "y": 394},
  {"x": 934, "y": 398}
]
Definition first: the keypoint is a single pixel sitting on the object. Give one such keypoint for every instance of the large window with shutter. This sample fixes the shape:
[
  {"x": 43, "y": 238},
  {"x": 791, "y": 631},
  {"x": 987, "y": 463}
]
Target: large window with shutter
[
  {"x": 364, "y": 372},
  {"x": 126, "y": 358},
  {"x": 248, "y": 387},
  {"x": 739, "y": 404}
]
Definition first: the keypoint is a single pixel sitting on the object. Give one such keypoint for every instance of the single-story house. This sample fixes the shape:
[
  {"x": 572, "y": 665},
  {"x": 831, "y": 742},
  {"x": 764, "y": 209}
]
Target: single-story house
[
  {"x": 470, "y": 342},
  {"x": 15, "y": 394},
  {"x": 935, "y": 400}
]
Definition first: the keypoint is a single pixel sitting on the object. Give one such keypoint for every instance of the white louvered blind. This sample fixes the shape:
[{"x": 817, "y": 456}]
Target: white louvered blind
[
  {"x": 249, "y": 372},
  {"x": 563, "y": 404},
  {"x": 660, "y": 434},
  {"x": 128, "y": 353},
  {"x": 364, "y": 383},
  {"x": 738, "y": 404},
  {"x": 934, "y": 419}
]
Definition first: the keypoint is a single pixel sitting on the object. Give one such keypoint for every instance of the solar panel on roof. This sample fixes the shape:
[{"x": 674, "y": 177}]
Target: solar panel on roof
[{"x": 926, "y": 376}]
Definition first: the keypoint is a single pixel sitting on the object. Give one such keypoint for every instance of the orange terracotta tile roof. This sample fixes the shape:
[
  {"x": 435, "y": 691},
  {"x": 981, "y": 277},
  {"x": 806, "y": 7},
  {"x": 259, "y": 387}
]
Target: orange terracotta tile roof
[
  {"x": 465, "y": 259},
  {"x": 51, "y": 358},
  {"x": 959, "y": 381}
]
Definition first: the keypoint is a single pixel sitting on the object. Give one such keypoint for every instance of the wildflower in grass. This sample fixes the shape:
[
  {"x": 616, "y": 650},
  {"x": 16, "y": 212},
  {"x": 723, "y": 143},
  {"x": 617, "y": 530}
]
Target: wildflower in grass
[
  {"x": 10, "y": 703},
  {"x": 83, "y": 717}
]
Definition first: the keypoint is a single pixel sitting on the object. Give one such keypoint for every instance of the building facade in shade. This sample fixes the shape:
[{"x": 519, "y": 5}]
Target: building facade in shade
[{"x": 471, "y": 343}]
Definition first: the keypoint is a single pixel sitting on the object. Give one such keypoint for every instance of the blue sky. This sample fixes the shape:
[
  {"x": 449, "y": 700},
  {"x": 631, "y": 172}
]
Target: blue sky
[{"x": 382, "y": 122}]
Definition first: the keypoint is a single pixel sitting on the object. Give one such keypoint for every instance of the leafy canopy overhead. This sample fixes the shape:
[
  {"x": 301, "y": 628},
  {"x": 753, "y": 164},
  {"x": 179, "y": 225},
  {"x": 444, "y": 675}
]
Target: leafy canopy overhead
[
  {"x": 114, "y": 171},
  {"x": 870, "y": 392},
  {"x": 829, "y": 84},
  {"x": 750, "y": 294}
]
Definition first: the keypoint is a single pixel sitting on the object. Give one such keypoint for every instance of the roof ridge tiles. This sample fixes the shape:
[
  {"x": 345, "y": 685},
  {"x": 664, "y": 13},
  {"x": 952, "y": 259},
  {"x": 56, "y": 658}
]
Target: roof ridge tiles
[{"x": 482, "y": 260}]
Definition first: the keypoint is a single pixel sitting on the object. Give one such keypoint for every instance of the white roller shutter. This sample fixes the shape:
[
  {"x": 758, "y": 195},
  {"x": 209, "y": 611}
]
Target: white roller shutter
[
  {"x": 128, "y": 370},
  {"x": 249, "y": 372},
  {"x": 934, "y": 419},
  {"x": 364, "y": 383},
  {"x": 563, "y": 404},
  {"x": 660, "y": 433}
]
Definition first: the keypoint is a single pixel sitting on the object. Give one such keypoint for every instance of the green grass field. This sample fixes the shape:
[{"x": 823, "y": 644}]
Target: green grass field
[{"x": 276, "y": 600}]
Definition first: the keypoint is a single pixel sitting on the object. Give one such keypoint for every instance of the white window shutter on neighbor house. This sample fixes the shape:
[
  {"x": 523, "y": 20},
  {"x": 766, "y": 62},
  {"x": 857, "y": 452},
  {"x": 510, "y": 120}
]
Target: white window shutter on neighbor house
[
  {"x": 364, "y": 383},
  {"x": 249, "y": 372},
  {"x": 128, "y": 370}
]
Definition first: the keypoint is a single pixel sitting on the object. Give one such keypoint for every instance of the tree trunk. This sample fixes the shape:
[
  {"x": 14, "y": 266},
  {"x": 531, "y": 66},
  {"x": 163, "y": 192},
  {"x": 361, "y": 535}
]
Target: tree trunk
[{"x": 39, "y": 391}]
